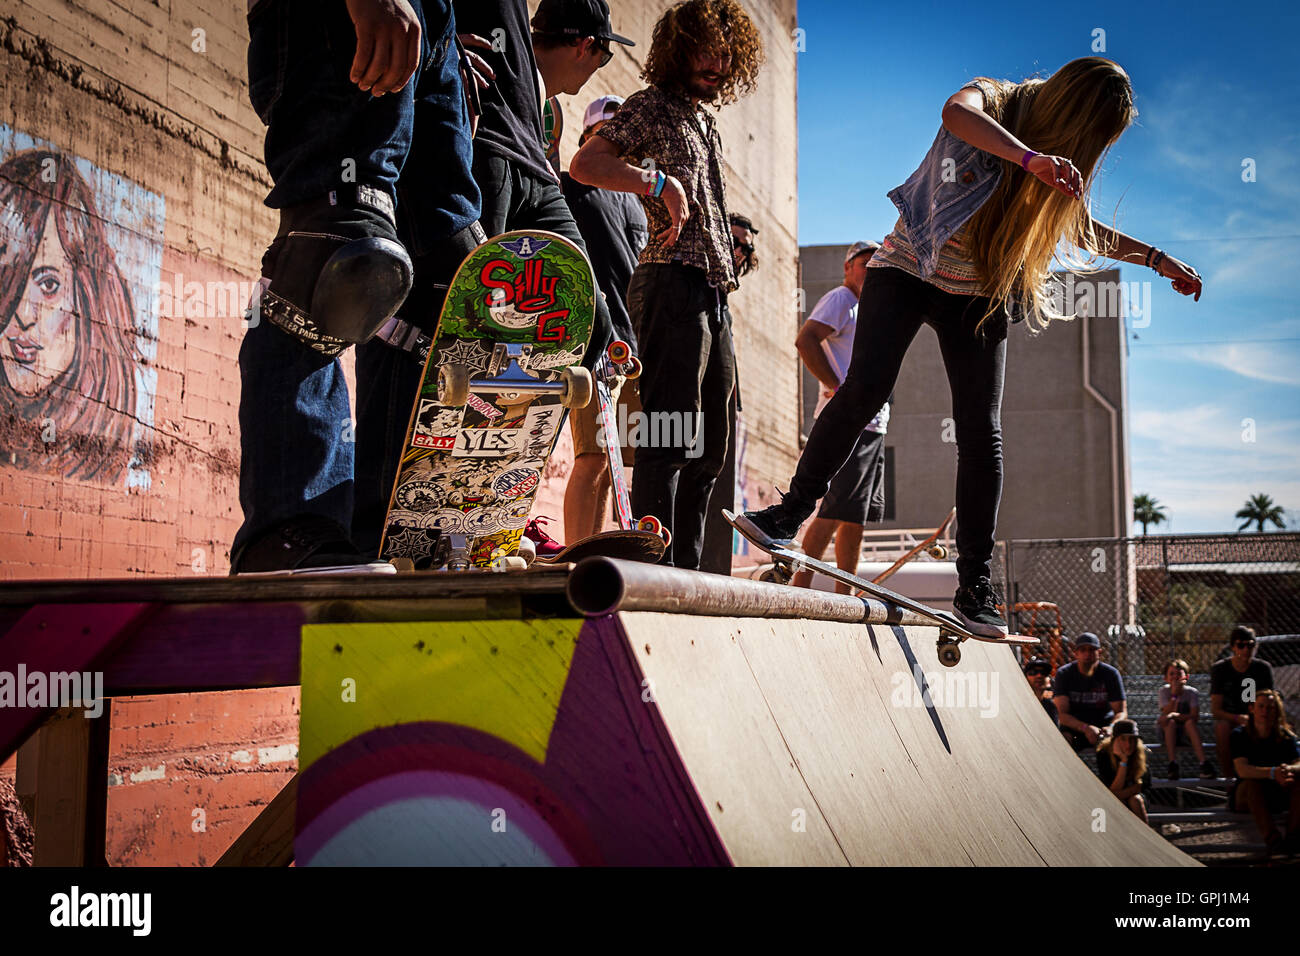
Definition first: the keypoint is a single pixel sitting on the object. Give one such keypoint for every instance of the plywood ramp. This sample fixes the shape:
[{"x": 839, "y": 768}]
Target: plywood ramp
[{"x": 820, "y": 743}]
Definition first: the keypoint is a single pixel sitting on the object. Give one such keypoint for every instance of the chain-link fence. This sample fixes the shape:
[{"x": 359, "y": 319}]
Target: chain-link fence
[{"x": 1151, "y": 599}]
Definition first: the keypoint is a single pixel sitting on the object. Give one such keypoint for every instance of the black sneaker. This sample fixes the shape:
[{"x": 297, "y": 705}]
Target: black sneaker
[
  {"x": 305, "y": 544},
  {"x": 1209, "y": 770},
  {"x": 775, "y": 523},
  {"x": 1174, "y": 771},
  {"x": 977, "y": 607}
]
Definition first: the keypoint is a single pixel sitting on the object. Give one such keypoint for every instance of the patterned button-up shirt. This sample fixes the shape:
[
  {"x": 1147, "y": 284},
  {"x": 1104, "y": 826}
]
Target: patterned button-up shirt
[{"x": 666, "y": 128}]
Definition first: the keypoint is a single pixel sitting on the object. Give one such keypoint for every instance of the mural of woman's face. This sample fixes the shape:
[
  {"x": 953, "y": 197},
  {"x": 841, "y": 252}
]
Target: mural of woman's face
[{"x": 38, "y": 342}]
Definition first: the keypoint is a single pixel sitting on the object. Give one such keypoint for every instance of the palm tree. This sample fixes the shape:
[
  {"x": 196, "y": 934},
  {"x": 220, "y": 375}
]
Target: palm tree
[
  {"x": 1148, "y": 511},
  {"x": 1259, "y": 510}
]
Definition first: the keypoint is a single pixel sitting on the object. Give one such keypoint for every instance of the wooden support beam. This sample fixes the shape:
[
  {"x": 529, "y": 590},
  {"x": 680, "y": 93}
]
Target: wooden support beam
[
  {"x": 268, "y": 840},
  {"x": 72, "y": 803}
]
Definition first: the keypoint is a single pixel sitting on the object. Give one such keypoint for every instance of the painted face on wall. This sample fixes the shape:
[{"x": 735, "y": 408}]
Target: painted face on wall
[{"x": 39, "y": 340}]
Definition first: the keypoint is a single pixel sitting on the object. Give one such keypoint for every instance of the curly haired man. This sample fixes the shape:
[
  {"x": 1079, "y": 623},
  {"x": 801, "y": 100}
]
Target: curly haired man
[{"x": 664, "y": 145}]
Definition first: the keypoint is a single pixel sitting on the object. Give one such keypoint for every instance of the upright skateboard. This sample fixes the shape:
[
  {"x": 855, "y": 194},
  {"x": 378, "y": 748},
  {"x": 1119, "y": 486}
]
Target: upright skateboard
[
  {"x": 619, "y": 360},
  {"x": 502, "y": 370},
  {"x": 951, "y": 631},
  {"x": 930, "y": 544}
]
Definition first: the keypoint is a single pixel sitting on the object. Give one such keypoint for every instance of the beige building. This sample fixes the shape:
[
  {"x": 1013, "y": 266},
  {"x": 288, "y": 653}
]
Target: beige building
[{"x": 1064, "y": 419}]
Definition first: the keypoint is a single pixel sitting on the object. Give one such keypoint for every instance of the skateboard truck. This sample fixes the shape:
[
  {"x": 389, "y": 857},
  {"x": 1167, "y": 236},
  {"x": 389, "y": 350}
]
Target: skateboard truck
[{"x": 455, "y": 382}]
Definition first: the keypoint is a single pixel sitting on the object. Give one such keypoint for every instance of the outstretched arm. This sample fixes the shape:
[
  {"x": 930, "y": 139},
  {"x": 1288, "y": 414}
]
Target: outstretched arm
[{"x": 1114, "y": 244}]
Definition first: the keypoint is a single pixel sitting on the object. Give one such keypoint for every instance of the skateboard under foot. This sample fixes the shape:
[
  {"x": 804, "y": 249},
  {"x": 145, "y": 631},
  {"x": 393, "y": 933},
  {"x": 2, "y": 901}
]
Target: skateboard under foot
[{"x": 785, "y": 562}]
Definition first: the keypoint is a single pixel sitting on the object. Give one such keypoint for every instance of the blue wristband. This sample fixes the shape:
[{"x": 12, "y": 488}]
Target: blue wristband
[{"x": 659, "y": 184}]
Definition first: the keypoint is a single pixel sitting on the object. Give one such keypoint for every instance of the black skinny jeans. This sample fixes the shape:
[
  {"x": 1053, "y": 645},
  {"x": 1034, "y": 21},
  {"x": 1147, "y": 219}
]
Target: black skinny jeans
[
  {"x": 891, "y": 310},
  {"x": 689, "y": 370}
]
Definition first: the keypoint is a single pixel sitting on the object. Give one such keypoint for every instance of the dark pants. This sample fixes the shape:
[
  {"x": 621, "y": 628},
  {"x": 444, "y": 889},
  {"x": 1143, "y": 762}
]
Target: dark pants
[
  {"x": 295, "y": 431},
  {"x": 512, "y": 199},
  {"x": 688, "y": 374},
  {"x": 893, "y": 307}
]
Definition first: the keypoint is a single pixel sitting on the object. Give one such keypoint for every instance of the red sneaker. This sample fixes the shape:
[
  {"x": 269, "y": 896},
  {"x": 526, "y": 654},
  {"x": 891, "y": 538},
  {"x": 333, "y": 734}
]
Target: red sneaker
[{"x": 547, "y": 547}]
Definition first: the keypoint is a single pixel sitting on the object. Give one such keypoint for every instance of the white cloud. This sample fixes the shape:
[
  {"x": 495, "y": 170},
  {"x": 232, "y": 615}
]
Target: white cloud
[{"x": 1265, "y": 362}]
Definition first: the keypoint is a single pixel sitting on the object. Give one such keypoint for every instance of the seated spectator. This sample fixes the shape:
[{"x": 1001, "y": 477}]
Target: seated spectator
[
  {"x": 1235, "y": 682},
  {"x": 1180, "y": 708},
  {"x": 1039, "y": 674},
  {"x": 1266, "y": 759},
  {"x": 1122, "y": 766},
  {"x": 1089, "y": 695}
]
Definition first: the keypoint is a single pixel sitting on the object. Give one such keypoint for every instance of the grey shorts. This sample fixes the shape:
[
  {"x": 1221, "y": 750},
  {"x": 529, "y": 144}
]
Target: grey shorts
[{"x": 857, "y": 492}]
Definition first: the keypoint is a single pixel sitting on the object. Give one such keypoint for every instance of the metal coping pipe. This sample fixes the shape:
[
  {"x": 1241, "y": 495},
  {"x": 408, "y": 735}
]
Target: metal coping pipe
[{"x": 600, "y": 586}]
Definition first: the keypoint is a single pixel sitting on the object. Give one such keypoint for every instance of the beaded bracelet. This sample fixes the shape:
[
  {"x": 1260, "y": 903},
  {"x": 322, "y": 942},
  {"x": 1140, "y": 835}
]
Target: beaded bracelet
[{"x": 1157, "y": 259}]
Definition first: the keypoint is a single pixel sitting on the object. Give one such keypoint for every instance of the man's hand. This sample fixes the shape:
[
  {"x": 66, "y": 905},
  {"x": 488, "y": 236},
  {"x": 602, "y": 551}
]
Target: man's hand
[
  {"x": 475, "y": 75},
  {"x": 1093, "y": 734},
  {"x": 679, "y": 209},
  {"x": 388, "y": 44},
  {"x": 1284, "y": 775}
]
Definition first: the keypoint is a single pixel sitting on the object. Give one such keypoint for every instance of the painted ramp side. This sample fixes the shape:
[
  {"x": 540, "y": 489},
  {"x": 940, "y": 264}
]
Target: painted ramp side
[{"x": 819, "y": 743}]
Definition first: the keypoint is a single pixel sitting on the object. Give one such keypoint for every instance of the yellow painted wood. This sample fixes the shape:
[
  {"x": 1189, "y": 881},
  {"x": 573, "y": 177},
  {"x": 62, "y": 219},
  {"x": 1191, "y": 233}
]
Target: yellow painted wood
[{"x": 501, "y": 677}]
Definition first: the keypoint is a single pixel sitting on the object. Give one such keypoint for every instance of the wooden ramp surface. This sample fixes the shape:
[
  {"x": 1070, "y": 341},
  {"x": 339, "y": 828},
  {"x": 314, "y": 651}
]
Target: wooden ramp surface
[{"x": 819, "y": 743}]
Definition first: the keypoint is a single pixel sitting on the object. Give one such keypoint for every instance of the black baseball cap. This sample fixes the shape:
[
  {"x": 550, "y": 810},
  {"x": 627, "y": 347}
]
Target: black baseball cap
[
  {"x": 1038, "y": 665},
  {"x": 1087, "y": 639},
  {"x": 577, "y": 18}
]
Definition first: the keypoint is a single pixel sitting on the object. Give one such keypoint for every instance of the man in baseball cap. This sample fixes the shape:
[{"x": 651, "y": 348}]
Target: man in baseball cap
[
  {"x": 599, "y": 110},
  {"x": 1089, "y": 694},
  {"x": 577, "y": 18}
]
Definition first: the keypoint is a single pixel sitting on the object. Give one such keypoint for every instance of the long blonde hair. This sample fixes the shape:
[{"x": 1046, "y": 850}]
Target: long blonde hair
[
  {"x": 1078, "y": 112},
  {"x": 1137, "y": 768}
]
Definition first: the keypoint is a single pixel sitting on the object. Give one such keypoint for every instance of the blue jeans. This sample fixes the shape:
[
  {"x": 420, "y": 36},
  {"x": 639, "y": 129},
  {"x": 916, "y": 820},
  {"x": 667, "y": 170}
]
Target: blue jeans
[{"x": 297, "y": 441}]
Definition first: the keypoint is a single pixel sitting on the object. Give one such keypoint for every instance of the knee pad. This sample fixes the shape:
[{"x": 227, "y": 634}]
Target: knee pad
[{"x": 336, "y": 271}]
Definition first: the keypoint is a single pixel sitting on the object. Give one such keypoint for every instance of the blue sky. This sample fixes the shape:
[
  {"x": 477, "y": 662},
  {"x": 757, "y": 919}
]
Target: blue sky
[{"x": 1215, "y": 85}]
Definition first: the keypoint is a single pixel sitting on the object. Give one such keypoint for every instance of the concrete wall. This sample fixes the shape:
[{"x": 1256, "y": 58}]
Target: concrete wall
[
  {"x": 1061, "y": 478},
  {"x": 134, "y": 471}
]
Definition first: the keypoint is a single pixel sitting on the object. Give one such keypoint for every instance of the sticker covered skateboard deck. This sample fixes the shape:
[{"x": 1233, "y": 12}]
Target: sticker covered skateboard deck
[{"x": 502, "y": 370}]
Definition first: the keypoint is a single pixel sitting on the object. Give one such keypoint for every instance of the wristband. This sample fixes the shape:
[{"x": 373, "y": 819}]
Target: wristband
[
  {"x": 660, "y": 183},
  {"x": 1156, "y": 259},
  {"x": 1272, "y": 773},
  {"x": 1024, "y": 160}
]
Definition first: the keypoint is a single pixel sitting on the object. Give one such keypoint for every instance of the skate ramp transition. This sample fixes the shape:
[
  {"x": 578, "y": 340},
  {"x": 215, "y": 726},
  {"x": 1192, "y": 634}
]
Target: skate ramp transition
[{"x": 657, "y": 730}]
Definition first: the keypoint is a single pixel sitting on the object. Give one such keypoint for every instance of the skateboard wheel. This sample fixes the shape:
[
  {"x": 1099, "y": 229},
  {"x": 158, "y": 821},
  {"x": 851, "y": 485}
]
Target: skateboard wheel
[
  {"x": 650, "y": 523},
  {"x": 776, "y": 574},
  {"x": 633, "y": 367},
  {"x": 619, "y": 352},
  {"x": 949, "y": 655},
  {"x": 453, "y": 384},
  {"x": 666, "y": 535},
  {"x": 938, "y": 552},
  {"x": 527, "y": 550},
  {"x": 402, "y": 564},
  {"x": 577, "y": 387},
  {"x": 509, "y": 562}
]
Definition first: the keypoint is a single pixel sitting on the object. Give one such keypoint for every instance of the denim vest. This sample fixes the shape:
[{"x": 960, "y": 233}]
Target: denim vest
[{"x": 933, "y": 205}]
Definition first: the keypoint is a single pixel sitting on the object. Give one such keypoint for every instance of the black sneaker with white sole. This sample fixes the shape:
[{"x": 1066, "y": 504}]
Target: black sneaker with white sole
[
  {"x": 307, "y": 544},
  {"x": 977, "y": 607},
  {"x": 777, "y": 523}
]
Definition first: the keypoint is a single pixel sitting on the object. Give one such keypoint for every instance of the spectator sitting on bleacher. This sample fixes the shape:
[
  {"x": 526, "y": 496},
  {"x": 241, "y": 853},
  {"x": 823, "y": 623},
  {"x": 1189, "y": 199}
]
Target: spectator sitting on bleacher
[
  {"x": 1180, "y": 708},
  {"x": 1234, "y": 683},
  {"x": 1266, "y": 758},
  {"x": 1039, "y": 674},
  {"x": 1122, "y": 766},
  {"x": 1089, "y": 695}
]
